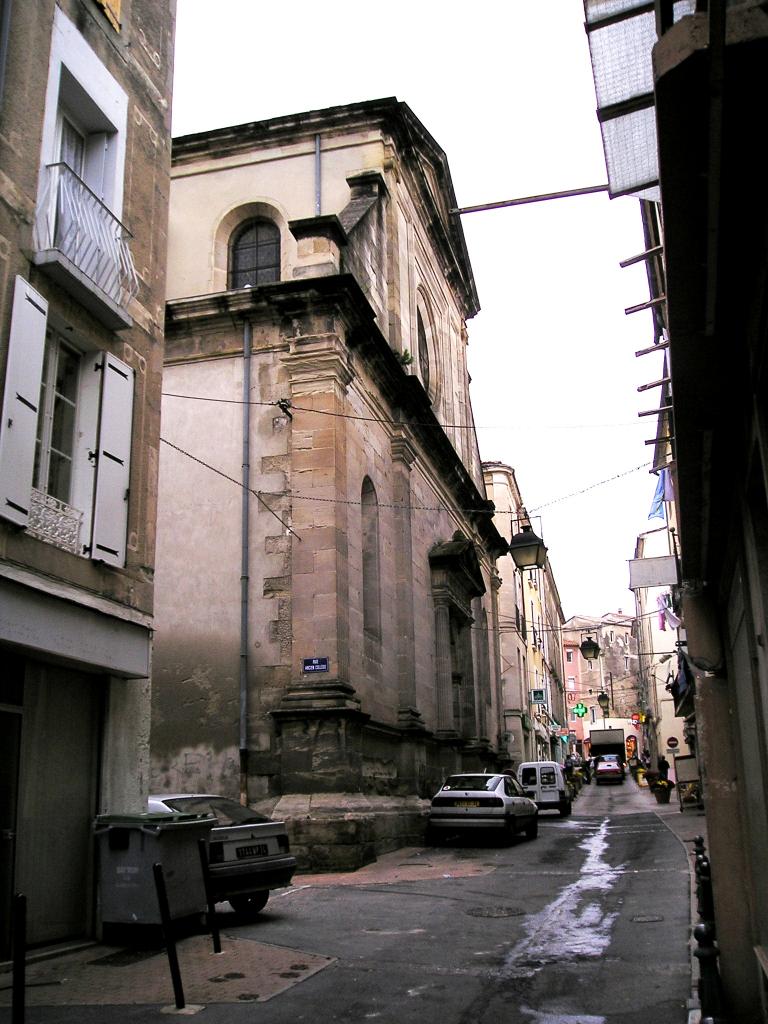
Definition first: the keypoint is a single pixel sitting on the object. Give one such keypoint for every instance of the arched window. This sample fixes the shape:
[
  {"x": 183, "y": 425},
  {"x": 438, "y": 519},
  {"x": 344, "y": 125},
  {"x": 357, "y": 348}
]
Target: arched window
[
  {"x": 371, "y": 573},
  {"x": 254, "y": 255},
  {"x": 421, "y": 338}
]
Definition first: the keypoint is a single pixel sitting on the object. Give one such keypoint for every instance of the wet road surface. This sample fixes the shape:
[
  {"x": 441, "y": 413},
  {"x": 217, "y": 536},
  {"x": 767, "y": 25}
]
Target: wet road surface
[{"x": 588, "y": 924}]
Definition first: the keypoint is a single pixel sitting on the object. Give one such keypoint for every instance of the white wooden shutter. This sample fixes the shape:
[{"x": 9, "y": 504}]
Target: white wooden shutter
[
  {"x": 113, "y": 466},
  {"x": 18, "y": 428}
]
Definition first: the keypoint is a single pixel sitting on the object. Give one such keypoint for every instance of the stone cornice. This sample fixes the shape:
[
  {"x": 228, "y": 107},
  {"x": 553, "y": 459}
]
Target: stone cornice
[
  {"x": 392, "y": 118},
  {"x": 340, "y": 296},
  {"x": 328, "y": 226}
]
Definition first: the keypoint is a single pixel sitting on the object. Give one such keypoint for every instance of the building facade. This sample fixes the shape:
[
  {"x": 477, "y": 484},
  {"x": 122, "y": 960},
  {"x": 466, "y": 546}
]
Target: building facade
[
  {"x": 530, "y": 638},
  {"x": 326, "y": 553},
  {"x": 661, "y": 654},
  {"x": 701, "y": 70},
  {"x": 84, "y": 155},
  {"x": 613, "y": 672}
]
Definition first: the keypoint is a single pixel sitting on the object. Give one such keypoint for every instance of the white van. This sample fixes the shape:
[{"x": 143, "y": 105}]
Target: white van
[{"x": 544, "y": 782}]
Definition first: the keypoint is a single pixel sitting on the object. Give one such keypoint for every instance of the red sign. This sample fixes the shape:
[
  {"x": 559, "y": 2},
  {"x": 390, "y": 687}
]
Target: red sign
[{"x": 672, "y": 742}]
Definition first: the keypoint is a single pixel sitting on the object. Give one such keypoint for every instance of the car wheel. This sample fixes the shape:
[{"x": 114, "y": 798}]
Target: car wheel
[
  {"x": 565, "y": 808},
  {"x": 249, "y": 905},
  {"x": 532, "y": 828}
]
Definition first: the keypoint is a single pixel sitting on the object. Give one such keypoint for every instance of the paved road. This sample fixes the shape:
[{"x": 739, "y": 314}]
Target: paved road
[{"x": 587, "y": 924}]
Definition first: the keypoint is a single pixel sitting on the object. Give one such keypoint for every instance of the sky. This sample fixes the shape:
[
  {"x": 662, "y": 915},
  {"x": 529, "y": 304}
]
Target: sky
[{"x": 506, "y": 90}]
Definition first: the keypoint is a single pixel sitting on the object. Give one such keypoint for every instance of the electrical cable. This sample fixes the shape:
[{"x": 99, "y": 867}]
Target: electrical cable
[
  {"x": 416, "y": 508},
  {"x": 285, "y": 404},
  {"x": 231, "y": 479}
]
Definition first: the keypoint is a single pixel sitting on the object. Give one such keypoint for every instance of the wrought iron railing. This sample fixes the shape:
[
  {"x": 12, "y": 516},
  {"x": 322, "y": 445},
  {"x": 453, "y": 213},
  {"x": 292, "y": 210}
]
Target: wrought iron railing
[
  {"x": 73, "y": 220},
  {"x": 54, "y": 521}
]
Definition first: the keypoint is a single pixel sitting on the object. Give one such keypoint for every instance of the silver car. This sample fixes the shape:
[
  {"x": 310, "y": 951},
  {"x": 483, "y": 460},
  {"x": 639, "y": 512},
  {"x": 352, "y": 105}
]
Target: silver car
[
  {"x": 480, "y": 801},
  {"x": 248, "y": 854}
]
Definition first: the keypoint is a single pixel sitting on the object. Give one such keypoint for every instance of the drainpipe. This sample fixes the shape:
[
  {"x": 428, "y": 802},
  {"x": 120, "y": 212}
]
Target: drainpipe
[
  {"x": 318, "y": 180},
  {"x": 244, "y": 549}
]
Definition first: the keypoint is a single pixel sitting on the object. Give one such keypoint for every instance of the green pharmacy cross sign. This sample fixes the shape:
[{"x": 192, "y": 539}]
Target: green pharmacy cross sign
[{"x": 580, "y": 709}]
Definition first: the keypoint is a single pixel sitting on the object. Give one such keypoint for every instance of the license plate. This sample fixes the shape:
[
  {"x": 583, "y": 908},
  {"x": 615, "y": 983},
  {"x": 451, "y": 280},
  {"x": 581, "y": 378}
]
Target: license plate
[
  {"x": 251, "y": 851},
  {"x": 467, "y": 803}
]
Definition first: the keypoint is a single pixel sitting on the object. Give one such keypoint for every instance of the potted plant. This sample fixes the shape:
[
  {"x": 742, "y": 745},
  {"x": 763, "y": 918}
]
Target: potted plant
[{"x": 662, "y": 790}]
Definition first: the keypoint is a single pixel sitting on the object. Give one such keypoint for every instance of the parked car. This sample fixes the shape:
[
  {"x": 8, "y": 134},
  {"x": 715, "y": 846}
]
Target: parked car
[
  {"x": 615, "y": 758},
  {"x": 482, "y": 801},
  {"x": 609, "y": 770},
  {"x": 248, "y": 854},
  {"x": 545, "y": 783}
]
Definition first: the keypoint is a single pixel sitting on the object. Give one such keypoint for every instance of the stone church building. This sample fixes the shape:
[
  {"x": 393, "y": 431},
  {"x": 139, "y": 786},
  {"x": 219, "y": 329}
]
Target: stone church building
[{"x": 326, "y": 629}]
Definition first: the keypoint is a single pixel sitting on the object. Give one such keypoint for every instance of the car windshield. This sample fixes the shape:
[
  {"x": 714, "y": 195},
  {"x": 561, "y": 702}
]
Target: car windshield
[
  {"x": 475, "y": 782},
  {"x": 229, "y": 812}
]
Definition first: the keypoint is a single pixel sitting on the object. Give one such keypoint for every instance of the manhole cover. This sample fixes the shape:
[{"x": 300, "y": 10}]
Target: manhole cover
[
  {"x": 647, "y": 919},
  {"x": 495, "y": 912}
]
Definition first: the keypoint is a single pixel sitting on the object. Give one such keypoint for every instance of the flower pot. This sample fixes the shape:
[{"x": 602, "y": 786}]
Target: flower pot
[{"x": 662, "y": 794}]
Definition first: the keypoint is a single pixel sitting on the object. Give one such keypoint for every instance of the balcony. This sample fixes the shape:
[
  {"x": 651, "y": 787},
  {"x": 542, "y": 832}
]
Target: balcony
[
  {"x": 54, "y": 521},
  {"x": 84, "y": 247}
]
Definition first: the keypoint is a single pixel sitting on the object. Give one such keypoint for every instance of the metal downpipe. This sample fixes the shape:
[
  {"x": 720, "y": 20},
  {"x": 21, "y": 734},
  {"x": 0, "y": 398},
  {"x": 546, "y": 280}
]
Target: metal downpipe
[
  {"x": 244, "y": 561},
  {"x": 318, "y": 178}
]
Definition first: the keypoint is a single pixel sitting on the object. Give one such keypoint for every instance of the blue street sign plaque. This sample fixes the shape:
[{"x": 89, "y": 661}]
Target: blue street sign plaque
[{"x": 315, "y": 665}]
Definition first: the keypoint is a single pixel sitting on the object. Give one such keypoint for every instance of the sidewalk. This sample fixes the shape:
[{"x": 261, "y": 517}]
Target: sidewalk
[{"x": 687, "y": 825}]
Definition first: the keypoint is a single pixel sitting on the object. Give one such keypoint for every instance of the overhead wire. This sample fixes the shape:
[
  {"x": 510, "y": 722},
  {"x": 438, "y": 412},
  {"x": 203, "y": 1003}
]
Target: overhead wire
[
  {"x": 231, "y": 479},
  {"x": 401, "y": 507},
  {"x": 287, "y": 404}
]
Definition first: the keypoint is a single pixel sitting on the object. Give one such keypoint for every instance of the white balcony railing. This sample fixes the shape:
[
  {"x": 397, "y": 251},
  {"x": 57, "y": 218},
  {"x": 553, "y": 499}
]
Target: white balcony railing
[
  {"x": 54, "y": 521},
  {"x": 73, "y": 220}
]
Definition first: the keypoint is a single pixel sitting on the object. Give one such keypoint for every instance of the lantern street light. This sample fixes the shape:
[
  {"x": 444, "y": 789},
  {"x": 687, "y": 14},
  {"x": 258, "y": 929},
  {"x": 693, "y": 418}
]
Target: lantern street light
[
  {"x": 528, "y": 550},
  {"x": 589, "y": 649}
]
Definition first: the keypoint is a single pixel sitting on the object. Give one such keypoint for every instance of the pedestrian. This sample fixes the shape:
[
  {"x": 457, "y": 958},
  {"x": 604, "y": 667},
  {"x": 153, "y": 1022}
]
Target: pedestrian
[{"x": 663, "y": 768}]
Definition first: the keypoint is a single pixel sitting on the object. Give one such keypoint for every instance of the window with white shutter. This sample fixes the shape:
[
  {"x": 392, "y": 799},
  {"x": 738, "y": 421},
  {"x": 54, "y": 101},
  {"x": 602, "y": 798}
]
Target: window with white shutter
[
  {"x": 18, "y": 428},
  {"x": 113, "y": 467},
  {"x": 65, "y": 437}
]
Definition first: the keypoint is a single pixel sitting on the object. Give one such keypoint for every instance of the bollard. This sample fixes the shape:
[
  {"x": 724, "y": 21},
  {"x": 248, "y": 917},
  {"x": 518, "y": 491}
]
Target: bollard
[
  {"x": 170, "y": 941},
  {"x": 710, "y": 988},
  {"x": 706, "y": 899},
  {"x": 210, "y": 902},
  {"x": 18, "y": 985}
]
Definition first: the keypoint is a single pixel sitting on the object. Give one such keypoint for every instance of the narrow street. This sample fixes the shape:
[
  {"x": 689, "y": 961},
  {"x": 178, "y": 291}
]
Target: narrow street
[{"x": 588, "y": 924}]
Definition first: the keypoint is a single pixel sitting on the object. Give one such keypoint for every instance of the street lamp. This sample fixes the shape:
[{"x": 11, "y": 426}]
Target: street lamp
[
  {"x": 528, "y": 550},
  {"x": 603, "y": 701},
  {"x": 589, "y": 649}
]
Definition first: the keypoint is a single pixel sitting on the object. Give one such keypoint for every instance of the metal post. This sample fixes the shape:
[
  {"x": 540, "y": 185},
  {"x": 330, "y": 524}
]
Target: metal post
[
  {"x": 19, "y": 958},
  {"x": 710, "y": 988},
  {"x": 209, "y": 899},
  {"x": 170, "y": 942}
]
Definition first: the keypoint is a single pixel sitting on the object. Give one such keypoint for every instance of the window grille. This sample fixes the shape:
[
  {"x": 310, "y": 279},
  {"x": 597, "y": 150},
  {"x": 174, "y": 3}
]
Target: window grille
[{"x": 255, "y": 255}]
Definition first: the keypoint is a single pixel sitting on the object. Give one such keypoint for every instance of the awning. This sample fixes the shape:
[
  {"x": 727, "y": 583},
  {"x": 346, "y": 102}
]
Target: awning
[{"x": 621, "y": 35}]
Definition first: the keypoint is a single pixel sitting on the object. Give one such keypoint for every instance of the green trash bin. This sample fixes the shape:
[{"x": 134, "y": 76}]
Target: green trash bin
[{"x": 129, "y": 845}]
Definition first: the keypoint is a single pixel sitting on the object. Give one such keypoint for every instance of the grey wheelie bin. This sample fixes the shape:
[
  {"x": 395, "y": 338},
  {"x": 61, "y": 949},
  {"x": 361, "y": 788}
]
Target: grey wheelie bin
[{"x": 129, "y": 845}]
